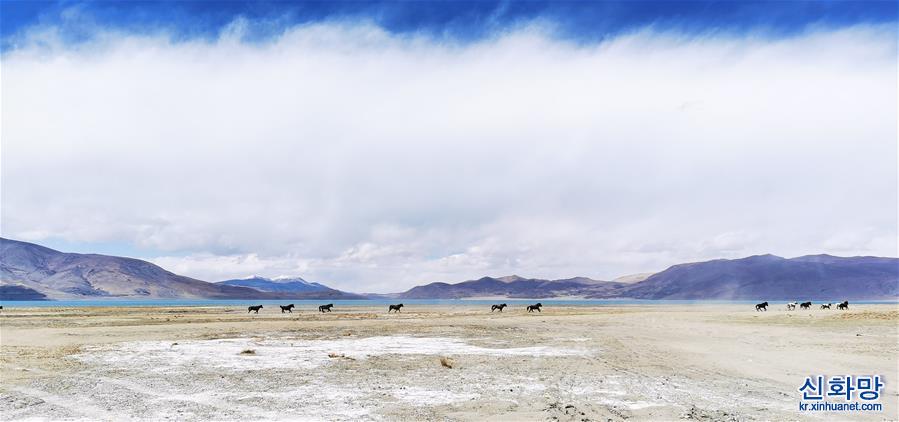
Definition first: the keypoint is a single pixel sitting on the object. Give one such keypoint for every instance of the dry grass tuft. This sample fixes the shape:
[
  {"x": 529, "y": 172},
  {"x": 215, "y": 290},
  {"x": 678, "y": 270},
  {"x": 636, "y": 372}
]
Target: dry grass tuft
[
  {"x": 446, "y": 362},
  {"x": 248, "y": 352},
  {"x": 870, "y": 315},
  {"x": 333, "y": 355}
]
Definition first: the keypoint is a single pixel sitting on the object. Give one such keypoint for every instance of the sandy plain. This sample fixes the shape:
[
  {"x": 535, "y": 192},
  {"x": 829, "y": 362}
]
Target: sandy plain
[{"x": 574, "y": 363}]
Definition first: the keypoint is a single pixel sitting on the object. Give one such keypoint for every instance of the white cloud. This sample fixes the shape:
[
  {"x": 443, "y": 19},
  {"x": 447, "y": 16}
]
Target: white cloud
[{"x": 375, "y": 162}]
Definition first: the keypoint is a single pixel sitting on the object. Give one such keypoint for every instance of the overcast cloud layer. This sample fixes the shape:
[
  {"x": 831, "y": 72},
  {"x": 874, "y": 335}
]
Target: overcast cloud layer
[{"x": 373, "y": 162}]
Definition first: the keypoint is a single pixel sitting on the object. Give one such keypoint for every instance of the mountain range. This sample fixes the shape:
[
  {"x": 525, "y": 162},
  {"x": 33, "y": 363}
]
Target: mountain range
[
  {"x": 33, "y": 272},
  {"x": 293, "y": 287},
  {"x": 513, "y": 287},
  {"x": 819, "y": 277},
  {"x": 278, "y": 284},
  {"x": 760, "y": 277}
]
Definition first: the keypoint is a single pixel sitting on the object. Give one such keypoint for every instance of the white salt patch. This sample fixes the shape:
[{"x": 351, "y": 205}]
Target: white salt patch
[
  {"x": 316, "y": 396},
  {"x": 633, "y": 405},
  {"x": 274, "y": 354},
  {"x": 528, "y": 387},
  {"x": 424, "y": 397},
  {"x": 584, "y": 390},
  {"x": 611, "y": 397}
]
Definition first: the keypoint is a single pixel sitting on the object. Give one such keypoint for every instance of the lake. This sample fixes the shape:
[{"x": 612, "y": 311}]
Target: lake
[{"x": 313, "y": 304}]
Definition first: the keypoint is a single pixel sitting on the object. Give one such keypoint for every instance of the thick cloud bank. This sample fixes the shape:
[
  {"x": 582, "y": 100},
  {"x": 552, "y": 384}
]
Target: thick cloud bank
[{"x": 373, "y": 161}]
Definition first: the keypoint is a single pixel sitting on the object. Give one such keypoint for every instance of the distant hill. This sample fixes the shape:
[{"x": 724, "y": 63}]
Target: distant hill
[
  {"x": 59, "y": 275},
  {"x": 633, "y": 278},
  {"x": 763, "y": 277},
  {"x": 16, "y": 292},
  {"x": 294, "y": 287},
  {"x": 295, "y": 284},
  {"x": 770, "y": 277},
  {"x": 512, "y": 287},
  {"x": 33, "y": 272}
]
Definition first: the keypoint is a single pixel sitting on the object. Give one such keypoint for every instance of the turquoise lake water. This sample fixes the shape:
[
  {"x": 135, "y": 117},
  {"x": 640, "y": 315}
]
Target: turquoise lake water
[{"x": 313, "y": 304}]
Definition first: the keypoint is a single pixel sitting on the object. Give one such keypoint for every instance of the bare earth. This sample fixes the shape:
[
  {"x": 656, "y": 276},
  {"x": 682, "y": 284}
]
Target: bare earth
[{"x": 703, "y": 362}]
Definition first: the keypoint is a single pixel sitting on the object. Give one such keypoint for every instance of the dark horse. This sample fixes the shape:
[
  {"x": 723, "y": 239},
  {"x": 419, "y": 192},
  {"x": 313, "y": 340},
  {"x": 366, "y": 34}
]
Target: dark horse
[
  {"x": 254, "y": 308},
  {"x": 325, "y": 308},
  {"x": 535, "y": 307},
  {"x": 761, "y": 306},
  {"x": 843, "y": 305},
  {"x": 287, "y": 308},
  {"x": 825, "y": 305},
  {"x": 500, "y": 307},
  {"x": 805, "y": 305},
  {"x": 394, "y": 308}
]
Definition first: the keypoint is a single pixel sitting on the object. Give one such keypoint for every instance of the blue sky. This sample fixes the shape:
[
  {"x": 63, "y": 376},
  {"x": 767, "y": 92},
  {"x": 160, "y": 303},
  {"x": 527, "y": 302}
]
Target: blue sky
[
  {"x": 378, "y": 145},
  {"x": 583, "y": 21}
]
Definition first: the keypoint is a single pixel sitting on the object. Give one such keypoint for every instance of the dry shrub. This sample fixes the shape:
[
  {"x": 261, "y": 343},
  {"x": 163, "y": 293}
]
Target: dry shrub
[
  {"x": 248, "y": 352},
  {"x": 333, "y": 355},
  {"x": 446, "y": 362}
]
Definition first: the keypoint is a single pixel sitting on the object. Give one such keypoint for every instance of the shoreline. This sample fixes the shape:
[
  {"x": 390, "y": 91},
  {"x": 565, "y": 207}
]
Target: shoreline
[{"x": 479, "y": 301}]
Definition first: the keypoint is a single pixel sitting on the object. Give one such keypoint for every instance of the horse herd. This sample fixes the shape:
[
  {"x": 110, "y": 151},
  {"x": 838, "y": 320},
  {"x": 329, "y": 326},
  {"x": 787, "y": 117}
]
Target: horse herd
[
  {"x": 536, "y": 307},
  {"x": 289, "y": 308},
  {"x": 392, "y": 308},
  {"x": 804, "y": 305},
  {"x": 530, "y": 308}
]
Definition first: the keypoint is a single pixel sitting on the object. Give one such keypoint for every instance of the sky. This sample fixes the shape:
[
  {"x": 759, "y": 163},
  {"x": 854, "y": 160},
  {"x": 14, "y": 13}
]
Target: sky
[{"x": 374, "y": 146}]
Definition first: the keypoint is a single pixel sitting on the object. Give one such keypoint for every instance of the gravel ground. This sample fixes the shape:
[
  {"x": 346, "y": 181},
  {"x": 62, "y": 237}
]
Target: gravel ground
[{"x": 710, "y": 362}]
